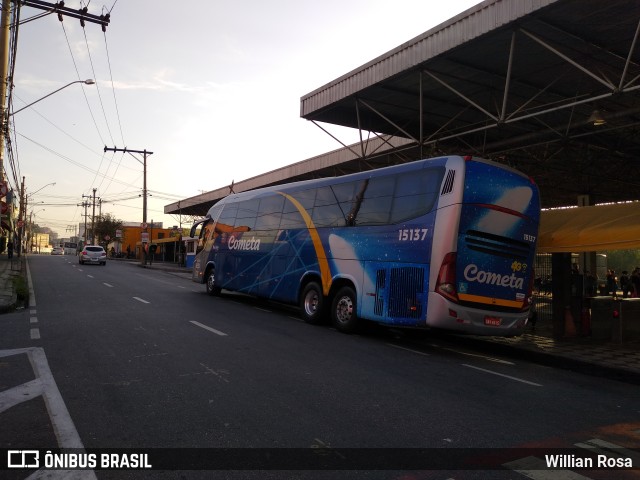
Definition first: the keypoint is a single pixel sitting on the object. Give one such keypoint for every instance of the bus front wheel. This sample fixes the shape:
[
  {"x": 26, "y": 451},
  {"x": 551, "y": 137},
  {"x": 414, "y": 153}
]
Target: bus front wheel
[
  {"x": 343, "y": 310},
  {"x": 212, "y": 288},
  {"x": 312, "y": 303}
]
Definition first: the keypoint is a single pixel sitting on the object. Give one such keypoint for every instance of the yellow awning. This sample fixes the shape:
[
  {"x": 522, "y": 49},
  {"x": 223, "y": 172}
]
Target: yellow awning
[{"x": 590, "y": 229}]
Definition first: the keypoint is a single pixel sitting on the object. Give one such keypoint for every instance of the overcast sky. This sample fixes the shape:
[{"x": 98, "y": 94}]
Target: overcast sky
[{"x": 212, "y": 88}]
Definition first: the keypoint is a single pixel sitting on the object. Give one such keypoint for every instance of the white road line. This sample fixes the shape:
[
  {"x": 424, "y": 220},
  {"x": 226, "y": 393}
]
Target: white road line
[
  {"x": 35, "y": 334},
  {"x": 408, "y": 349},
  {"x": 503, "y": 375},
  {"x": 33, "y": 320},
  {"x": 32, "y": 294},
  {"x": 536, "y": 469},
  {"x": 141, "y": 300},
  {"x": 609, "y": 449},
  {"x": 263, "y": 309},
  {"x": 107, "y": 285},
  {"x": 90, "y": 276},
  {"x": 460, "y": 352},
  {"x": 217, "y": 332}
]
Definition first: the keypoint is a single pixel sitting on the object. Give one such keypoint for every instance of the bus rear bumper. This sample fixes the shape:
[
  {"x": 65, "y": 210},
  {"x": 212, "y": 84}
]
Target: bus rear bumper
[{"x": 442, "y": 313}]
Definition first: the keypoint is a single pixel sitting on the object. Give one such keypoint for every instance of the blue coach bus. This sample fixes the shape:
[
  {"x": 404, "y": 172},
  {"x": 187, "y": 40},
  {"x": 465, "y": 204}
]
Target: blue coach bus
[{"x": 447, "y": 242}]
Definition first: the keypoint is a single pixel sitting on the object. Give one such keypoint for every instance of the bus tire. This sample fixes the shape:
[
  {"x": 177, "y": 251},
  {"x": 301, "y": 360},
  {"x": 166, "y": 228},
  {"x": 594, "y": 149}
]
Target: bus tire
[
  {"x": 210, "y": 282},
  {"x": 343, "y": 310},
  {"x": 312, "y": 303}
]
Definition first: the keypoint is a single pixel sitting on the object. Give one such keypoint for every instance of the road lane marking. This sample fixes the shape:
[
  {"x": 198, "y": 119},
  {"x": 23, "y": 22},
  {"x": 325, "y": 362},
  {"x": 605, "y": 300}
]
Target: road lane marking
[
  {"x": 609, "y": 449},
  {"x": 33, "y": 320},
  {"x": 503, "y": 375},
  {"x": 460, "y": 352},
  {"x": 90, "y": 276},
  {"x": 32, "y": 293},
  {"x": 141, "y": 300},
  {"x": 537, "y": 469},
  {"x": 107, "y": 285},
  {"x": 408, "y": 349},
  {"x": 35, "y": 334},
  {"x": 263, "y": 309},
  {"x": 44, "y": 385},
  {"x": 217, "y": 332}
]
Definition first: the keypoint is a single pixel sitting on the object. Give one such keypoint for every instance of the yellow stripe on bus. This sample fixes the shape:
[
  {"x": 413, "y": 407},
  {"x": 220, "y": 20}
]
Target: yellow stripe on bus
[
  {"x": 489, "y": 300},
  {"x": 325, "y": 272}
]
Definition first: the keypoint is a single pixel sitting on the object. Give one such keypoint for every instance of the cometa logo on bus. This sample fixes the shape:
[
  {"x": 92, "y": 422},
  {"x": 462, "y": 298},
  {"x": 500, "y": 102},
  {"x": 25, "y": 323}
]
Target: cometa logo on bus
[
  {"x": 473, "y": 274},
  {"x": 252, "y": 243}
]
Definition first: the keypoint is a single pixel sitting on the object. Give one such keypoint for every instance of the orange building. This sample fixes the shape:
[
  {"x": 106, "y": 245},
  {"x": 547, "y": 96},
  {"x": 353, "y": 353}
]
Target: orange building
[{"x": 131, "y": 240}]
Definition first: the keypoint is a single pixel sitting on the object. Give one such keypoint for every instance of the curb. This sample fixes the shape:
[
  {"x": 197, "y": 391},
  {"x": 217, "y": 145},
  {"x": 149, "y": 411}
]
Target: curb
[{"x": 555, "y": 360}]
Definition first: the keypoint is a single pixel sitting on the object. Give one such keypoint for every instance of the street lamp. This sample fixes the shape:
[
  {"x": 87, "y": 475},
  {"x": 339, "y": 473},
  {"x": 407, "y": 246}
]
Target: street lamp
[
  {"x": 33, "y": 193},
  {"x": 88, "y": 81},
  {"x": 33, "y": 214}
]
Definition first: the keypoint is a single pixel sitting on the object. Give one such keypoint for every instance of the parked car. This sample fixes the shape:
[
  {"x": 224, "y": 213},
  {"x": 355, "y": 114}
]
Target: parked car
[
  {"x": 57, "y": 251},
  {"x": 93, "y": 254}
]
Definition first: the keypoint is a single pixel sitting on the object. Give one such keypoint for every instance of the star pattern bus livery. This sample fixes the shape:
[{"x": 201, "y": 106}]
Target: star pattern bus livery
[{"x": 446, "y": 243}]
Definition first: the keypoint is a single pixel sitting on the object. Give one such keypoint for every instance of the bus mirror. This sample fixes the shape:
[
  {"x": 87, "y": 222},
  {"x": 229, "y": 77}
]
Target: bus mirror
[{"x": 192, "y": 232}]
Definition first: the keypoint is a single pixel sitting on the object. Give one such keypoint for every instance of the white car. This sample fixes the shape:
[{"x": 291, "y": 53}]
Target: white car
[
  {"x": 93, "y": 254},
  {"x": 57, "y": 251}
]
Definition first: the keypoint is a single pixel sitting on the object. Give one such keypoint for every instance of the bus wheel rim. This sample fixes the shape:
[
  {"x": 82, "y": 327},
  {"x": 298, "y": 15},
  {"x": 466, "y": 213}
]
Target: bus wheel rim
[
  {"x": 344, "y": 309},
  {"x": 311, "y": 303}
]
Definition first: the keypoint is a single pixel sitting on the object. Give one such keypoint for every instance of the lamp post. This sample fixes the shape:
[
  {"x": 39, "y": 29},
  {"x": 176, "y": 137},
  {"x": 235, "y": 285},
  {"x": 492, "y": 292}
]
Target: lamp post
[
  {"x": 24, "y": 201},
  {"x": 88, "y": 81},
  {"x": 4, "y": 115},
  {"x": 41, "y": 188},
  {"x": 31, "y": 215}
]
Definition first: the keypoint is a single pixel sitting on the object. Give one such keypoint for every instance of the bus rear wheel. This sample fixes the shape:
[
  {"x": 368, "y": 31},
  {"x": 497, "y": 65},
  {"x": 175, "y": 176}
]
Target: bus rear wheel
[
  {"x": 312, "y": 303},
  {"x": 212, "y": 288},
  {"x": 343, "y": 310}
]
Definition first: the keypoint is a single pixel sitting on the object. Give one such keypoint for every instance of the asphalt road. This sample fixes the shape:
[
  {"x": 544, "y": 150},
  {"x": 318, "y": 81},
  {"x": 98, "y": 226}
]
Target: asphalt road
[{"x": 145, "y": 359}]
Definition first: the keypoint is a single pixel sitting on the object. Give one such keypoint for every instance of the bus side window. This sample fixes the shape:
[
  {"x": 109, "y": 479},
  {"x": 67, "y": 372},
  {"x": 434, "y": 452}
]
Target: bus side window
[
  {"x": 247, "y": 214},
  {"x": 415, "y": 194},
  {"x": 270, "y": 212}
]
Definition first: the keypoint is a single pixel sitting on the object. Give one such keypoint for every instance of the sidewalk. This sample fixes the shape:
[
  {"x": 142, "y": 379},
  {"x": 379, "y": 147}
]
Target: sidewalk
[
  {"x": 8, "y": 270},
  {"x": 620, "y": 361}
]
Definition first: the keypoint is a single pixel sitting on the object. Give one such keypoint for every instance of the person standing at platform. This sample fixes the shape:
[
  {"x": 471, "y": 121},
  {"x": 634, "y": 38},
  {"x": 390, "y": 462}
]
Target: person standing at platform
[{"x": 635, "y": 283}]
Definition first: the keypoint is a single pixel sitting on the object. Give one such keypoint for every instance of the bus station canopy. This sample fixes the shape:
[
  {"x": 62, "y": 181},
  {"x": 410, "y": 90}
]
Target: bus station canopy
[
  {"x": 550, "y": 87},
  {"x": 590, "y": 229}
]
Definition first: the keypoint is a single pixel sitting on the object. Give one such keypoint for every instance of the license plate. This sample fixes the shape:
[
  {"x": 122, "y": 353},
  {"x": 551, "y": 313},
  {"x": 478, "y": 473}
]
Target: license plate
[{"x": 494, "y": 321}]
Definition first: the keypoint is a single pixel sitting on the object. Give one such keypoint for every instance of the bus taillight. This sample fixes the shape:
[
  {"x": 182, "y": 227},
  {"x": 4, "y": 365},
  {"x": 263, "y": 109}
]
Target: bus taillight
[{"x": 446, "y": 282}]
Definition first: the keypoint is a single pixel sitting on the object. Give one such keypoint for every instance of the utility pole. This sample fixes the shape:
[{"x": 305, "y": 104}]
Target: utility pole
[
  {"x": 85, "y": 205},
  {"x": 5, "y": 22},
  {"x": 144, "y": 177},
  {"x": 93, "y": 219},
  {"x": 21, "y": 217},
  {"x": 144, "y": 187},
  {"x": 6, "y": 83}
]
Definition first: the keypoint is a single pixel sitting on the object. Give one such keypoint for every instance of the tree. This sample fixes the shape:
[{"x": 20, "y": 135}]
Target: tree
[{"x": 106, "y": 226}]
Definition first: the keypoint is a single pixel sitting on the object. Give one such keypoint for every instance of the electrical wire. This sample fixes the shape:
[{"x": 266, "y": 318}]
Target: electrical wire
[{"x": 78, "y": 75}]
